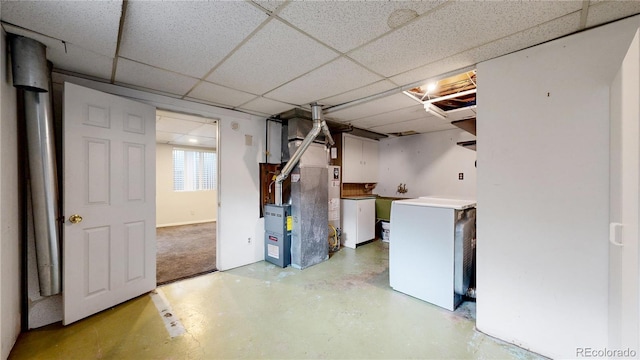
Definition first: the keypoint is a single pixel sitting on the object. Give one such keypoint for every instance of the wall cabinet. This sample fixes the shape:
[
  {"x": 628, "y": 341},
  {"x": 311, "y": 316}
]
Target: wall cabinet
[
  {"x": 359, "y": 160},
  {"x": 358, "y": 221}
]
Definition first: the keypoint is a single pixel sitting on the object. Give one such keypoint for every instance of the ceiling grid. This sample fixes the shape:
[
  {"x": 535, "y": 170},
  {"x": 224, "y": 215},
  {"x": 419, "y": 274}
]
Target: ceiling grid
[{"x": 265, "y": 57}]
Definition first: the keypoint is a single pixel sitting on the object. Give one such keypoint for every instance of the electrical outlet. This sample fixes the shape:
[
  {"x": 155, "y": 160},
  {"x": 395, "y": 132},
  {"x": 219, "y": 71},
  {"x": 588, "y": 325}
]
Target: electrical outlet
[
  {"x": 248, "y": 240},
  {"x": 460, "y": 176}
]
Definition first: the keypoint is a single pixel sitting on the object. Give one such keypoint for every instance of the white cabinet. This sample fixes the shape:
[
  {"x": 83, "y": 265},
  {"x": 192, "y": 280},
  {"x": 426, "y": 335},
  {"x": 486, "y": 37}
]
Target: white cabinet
[
  {"x": 359, "y": 159},
  {"x": 358, "y": 221}
]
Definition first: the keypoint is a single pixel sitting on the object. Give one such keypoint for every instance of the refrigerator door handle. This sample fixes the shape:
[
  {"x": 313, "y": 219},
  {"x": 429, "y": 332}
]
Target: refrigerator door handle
[{"x": 613, "y": 231}]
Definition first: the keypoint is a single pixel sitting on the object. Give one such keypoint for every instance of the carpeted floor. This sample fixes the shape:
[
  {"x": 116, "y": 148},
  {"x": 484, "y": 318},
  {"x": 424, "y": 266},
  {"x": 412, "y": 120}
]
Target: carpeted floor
[{"x": 185, "y": 251}]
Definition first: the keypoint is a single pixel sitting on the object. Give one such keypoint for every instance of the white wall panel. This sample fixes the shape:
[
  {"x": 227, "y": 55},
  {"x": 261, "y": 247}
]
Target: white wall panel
[
  {"x": 9, "y": 205},
  {"x": 428, "y": 164},
  {"x": 543, "y": 191}
]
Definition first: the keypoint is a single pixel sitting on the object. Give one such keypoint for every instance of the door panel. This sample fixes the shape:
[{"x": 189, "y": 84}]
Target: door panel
[
  {"x": 370, "y": 160},
  {"x": 109, "y": 181},
  {"x": 351, "y": 160},
  {"x": 624, "y": 210}
]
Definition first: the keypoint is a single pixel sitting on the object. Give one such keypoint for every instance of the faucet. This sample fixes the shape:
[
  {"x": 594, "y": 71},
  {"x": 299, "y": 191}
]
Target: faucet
[{"x": 402, "y": 188}]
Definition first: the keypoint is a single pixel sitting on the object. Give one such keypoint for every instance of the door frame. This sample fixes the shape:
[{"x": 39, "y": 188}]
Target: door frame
[
  {"x": 162, "y": 102},
  {"x": 217, "y": 121}
]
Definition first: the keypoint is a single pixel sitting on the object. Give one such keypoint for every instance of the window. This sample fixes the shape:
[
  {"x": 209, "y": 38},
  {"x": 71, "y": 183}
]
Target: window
[{"x": 194, "y": 170}]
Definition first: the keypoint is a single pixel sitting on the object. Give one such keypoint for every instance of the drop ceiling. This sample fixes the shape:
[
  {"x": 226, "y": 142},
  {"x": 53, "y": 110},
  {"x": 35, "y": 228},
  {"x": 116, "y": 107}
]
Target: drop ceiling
[
  {"x": 185, "y": 130},
  {"x": 267, "y": 57}
]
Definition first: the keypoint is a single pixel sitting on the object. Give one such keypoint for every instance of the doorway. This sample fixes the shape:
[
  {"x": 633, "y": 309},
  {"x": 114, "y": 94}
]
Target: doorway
[{"x": 186, "y": 195}]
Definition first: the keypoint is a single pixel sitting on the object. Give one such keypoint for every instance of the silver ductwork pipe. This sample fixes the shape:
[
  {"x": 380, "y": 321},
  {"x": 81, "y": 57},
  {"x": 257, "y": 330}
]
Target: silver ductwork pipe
[
  {"x": 318, "y": 125},
  {"x": 316, "y": 113},
  {"x": 30, "y": 73},
  {"x": 29, "y": 64}
]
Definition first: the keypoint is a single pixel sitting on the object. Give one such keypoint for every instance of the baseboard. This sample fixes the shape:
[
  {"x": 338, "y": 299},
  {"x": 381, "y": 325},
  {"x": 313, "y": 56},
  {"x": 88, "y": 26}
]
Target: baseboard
[{"x": 185, "y": 223}]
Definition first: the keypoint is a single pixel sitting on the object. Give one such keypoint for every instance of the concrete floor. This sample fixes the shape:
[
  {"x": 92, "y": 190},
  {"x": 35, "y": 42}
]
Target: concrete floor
[{"x": 342, "y": 308}]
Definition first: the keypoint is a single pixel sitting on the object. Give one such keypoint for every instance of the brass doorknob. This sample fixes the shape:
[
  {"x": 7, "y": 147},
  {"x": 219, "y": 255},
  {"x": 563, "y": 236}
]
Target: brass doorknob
[{"x": 75, "y": 218}]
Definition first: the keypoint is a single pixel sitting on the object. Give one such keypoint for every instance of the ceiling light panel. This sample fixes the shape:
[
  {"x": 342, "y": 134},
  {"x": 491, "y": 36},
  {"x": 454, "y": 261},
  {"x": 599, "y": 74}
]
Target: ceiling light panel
[
  {"x": 605, "y": 11},
  {"x": 92, "y": 25},
  {"x": 266, "y": 106},
  {"x": 194, "y": 141},
  {"x": 345, "y": 25},
  {"x": 435, "y": 36},
  {"x": 274, "y": 55},
  {"x": 220, "y": 94},
  {"x": 334, "y": 78},
  {"x": 374, "y": 107},
  {"x": 70, "y": 57},
  {"x": 133, "y": 73},
  {"x": 162, "y": 33},
  {"x": 368, "y": 90},
  {"x": 541, "y": 33}
]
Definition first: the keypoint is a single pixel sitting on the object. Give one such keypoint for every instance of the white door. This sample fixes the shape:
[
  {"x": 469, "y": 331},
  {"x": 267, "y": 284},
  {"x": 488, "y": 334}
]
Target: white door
[
  {"x": 351, "y": 159},
  {"x": 370, "y": 160},
  {"x": 366, "y": 220},
  {"x": 109, "y": 253},
  {"x": 624, "y": 205}
]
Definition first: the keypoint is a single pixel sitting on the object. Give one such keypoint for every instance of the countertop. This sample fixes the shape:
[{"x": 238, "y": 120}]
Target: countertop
[
  {"x": 359, "y": 197},
  {"x": 456, "y": 204}
]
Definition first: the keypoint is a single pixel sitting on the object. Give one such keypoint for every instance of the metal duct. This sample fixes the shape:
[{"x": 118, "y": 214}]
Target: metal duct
[
  {"x": 318, "y": 125},
  {"x": 29, "y": 64},
  {"x": 41, "y": 153}
]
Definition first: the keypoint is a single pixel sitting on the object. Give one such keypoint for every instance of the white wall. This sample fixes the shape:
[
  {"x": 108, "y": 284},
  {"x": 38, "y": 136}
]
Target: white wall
[
  {"x": 543, "y": 191},
  {"x": 180, "y": 207},
  {"x": 9, "y": 210},
  {"x": 429, "y": 164}
]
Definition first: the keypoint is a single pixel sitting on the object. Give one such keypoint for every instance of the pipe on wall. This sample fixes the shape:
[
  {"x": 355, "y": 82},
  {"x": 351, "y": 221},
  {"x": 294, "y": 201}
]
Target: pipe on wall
[
  {"x": 30, "y": 73},
  {"x": 319, "y": 124}
]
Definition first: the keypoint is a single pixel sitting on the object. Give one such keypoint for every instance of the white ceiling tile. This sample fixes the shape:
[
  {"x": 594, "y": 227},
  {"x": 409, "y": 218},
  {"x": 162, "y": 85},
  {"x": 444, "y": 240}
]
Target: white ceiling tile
[
  {"x": 220, "y": 94},
  {"x": 198, "y": 139},
  {"x": 521, "y": 40},
  {"x": 184, "y": 140},
  {"x": 165, "y": 137},
  {"x": 334, "y": 78},
  {"x": 266, "y": 106},
  {"x": 436, "y": 36},
  {"x": 372, "y": 89},
  {"x": 182, "y": 116},
  {"x": 269, "y": 5},
  {"x": 70, "y": 58},
  {"x": 462, "y": 113},
  {"x": 605, "y": 11},
  {"x": 176, "y": 126},
  {"x": 374, "y": 107},
  {"x": 345, "y": 25},
  {"x": 92, "y": 25},
  {"x": 188, "y": 37},
  {"x": 273, "y": 56},
  {"x": 205, "y": 130},
  {"x": 211, "y": 144},
  {"x": 404, "y": 114},
  {"x": 422, "y": 125},
  {"x": 133, "y": 73}
]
